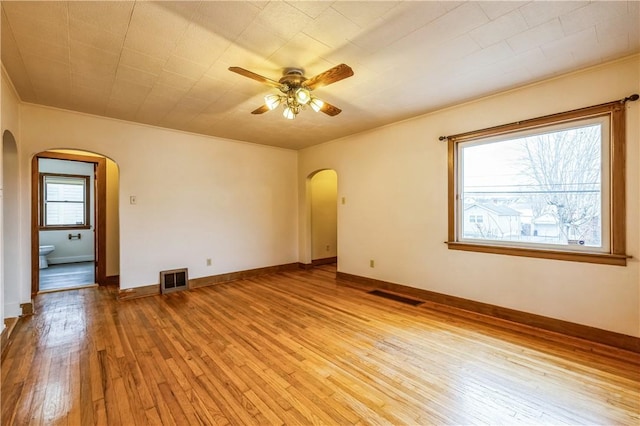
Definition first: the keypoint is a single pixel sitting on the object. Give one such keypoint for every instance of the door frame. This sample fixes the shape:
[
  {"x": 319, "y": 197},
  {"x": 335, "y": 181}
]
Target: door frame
[{"x": 100, "y": 211}]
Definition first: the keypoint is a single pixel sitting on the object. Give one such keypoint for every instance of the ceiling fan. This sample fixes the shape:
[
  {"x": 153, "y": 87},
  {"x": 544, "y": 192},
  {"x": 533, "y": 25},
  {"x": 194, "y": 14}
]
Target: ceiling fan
[{"x": 296, "y": 90}]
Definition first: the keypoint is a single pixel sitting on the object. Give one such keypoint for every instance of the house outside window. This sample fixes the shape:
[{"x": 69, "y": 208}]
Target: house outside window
[
  {"x": 557, "y": 173},
  {"x": 551, "y": 187}
]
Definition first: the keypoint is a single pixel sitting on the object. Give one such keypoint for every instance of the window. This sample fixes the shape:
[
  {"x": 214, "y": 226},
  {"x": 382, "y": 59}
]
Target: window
[
  {"x": 64, "y": 201},
  {"x": 551, "y": 187}
]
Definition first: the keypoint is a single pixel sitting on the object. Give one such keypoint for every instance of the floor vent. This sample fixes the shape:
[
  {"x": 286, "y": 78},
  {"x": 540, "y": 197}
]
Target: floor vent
[
  {"x": 174, "y": 280},
  {"x": 401, "y": 299}
]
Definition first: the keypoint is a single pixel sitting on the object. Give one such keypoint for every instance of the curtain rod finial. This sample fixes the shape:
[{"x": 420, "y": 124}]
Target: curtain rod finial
[
  {"x": 631, "y": 98},
  {"x": 443, "y": 138}
]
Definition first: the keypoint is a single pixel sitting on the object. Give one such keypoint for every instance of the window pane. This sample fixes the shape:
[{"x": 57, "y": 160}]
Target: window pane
[
  {"x": 65, "y": 191},
  {"x": 534, "y": 189},
  {"x": 64, "y": 214},
  {"x": 64, "y": 200}
]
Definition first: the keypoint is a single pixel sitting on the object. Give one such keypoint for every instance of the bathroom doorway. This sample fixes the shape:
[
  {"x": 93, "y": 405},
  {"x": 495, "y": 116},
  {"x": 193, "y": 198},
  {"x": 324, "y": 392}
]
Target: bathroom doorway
[{"x": 69, "y": 193}]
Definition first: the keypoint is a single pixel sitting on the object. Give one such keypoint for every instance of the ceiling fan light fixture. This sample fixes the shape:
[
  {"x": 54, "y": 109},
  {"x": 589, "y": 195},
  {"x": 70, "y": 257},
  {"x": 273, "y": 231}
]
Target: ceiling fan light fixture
[
  {"x": 289, "y": 113},
  {"x": 272, "y": 101},
  {"x": 316, "y": 104},
  {"x": 303, "y": 96},
  {"x": 295, "y": 90}
]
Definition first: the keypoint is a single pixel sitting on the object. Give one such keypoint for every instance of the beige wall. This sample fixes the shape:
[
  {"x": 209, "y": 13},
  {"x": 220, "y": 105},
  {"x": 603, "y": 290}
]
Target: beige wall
[
  {"x": 394, "y": 180},
  {"x": 197, "y": 197},
  {"x": 11, "y": 277},
  {"x": 113, "y": 219},
  {"x": 324, "y": 214}
]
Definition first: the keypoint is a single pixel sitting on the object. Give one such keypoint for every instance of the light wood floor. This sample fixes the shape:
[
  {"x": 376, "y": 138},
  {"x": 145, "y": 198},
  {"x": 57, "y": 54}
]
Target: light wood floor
[{"x": 296, "y": 348}]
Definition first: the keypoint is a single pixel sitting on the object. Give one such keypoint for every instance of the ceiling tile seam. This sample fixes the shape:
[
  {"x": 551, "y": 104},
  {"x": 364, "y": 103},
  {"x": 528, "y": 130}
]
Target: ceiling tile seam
[
  {"x": 21, "y": 58},
  {"x": 66, "y": 11},
  {"x": 115, "y": 76},
  {"x": 230, "y": 45},
  {"x": 507, "y": 40},
  {"x": 424, "y": 25},
  {"x": 292, "y": 3},
  {"x": 349, "y": 19},
  {"x": 232, "y": 42},
  {"x": 7, "y": 79},
  {"x": 332, "y": 49},
  {"x": 163, "y": 69},
  {"x": 120, "y": 58},
  {"x": 503, "y": 40},
  {"x": 71, "y": 77}
]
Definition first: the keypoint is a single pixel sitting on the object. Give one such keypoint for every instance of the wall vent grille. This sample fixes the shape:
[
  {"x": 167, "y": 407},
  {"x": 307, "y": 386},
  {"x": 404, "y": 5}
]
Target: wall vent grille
[{"x": 174, "y": 280}]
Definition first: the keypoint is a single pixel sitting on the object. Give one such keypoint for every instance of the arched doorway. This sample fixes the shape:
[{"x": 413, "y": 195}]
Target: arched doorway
[
  {"x": 91, "y": 251},
  {"x": 10, "y": 227},
  {"x": 323, "y": 196}
]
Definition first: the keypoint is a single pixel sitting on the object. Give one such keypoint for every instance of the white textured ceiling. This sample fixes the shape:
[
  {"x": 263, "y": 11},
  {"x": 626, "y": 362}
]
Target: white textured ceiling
[{"x": 166, "y": 63}]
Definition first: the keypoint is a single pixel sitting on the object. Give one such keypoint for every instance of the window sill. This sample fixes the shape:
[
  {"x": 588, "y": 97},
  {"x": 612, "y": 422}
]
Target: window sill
[
  {"x": 63, "y": 228},
  {"x": 599, "y": 258}
]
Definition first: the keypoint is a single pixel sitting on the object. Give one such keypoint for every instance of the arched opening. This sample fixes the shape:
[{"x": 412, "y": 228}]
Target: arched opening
[
  {"x": 74, "y": 219},
  {"x": 10, "y": 227},
  {"x": 323, "y": 206}
]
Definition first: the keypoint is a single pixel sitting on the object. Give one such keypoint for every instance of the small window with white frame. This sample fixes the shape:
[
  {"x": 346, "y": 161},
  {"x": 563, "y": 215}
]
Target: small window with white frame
[{"x": 551, "y": 187}]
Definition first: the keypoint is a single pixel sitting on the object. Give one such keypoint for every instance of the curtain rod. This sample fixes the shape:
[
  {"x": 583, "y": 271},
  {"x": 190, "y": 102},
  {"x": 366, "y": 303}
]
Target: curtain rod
[{"x": 631, "y": 98}]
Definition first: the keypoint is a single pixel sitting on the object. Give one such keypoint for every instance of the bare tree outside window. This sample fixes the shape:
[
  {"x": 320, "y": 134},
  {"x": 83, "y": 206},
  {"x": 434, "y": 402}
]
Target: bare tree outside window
[
  {"x": 550, "y": 187},
  {"x": 540, "y": 187},
  {"x": 564, "y": 169}
]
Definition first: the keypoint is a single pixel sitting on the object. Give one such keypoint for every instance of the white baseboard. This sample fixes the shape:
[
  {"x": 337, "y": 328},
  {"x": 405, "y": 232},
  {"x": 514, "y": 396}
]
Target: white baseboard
[
  {"x": 12, "y": 310},
  {"x": 69, "y": 259}
]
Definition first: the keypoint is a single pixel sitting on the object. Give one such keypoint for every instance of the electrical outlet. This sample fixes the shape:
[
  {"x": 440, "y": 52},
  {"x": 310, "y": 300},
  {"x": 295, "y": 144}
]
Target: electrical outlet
[
  {"x": 132, "y": 199},
  {"x": 209, "y": 262},
  {"x": 372, "y": 263},
  {"x": 328, "y": 247},
  {"x": 344, "y": 200}
]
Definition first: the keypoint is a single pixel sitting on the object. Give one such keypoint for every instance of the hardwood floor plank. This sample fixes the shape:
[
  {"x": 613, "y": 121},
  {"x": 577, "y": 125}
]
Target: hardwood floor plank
[
  {"x": 39, "y": 383},
  {"x": 153, "y": 417},
  {"x": 10, "y": 396},
  {"x": 74, "y": 415},
  {"x": 297, "y": 347},
  {"x": 272, "y": 396},
  {"x": 172, "y": 404},
  {"x": 100, "y": 412},
  {"x": 206, "y": 409},
  {"x": 85, "y": 405},
  {"x": 110, "y": 399},
  {"x": 272, "y": 417}
]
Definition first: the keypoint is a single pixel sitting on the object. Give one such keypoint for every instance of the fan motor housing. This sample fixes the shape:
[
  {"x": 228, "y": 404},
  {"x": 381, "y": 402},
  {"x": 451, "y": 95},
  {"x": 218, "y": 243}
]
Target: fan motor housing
[{"x": 293, "y": 77}]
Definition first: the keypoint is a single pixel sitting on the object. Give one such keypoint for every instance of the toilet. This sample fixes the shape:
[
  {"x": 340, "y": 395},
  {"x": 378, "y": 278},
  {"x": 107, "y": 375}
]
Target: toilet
[{"x": 44, "y": 251}]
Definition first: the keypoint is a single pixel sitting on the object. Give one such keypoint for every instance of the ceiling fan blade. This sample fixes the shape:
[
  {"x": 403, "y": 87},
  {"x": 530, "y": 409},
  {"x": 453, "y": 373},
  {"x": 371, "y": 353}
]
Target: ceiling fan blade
[
  {"x": 255, "y": 76},
  {"x": 260, "y": 110},
  {"x": 330, "y": 109},
  {"x": 331, "y": 75}
]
